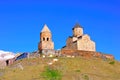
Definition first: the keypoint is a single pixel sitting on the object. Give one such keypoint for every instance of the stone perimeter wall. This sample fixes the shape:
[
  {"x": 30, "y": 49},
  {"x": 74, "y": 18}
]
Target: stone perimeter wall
[{"x": 86, "y": 54}]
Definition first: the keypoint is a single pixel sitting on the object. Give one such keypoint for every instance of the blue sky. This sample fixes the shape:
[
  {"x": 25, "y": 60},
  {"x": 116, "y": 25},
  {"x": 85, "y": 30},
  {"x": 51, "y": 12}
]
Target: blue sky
[{"x": 22, "y": 20}]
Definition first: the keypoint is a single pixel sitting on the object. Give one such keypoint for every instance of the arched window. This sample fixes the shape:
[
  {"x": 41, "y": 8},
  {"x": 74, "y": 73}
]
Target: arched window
[
  {"x": 43, "y": 39},
  {"x": 47, "y": 39}
]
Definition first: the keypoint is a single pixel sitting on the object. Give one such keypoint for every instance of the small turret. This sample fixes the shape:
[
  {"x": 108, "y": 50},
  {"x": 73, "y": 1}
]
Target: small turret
[{"x": 77, "y": 30}]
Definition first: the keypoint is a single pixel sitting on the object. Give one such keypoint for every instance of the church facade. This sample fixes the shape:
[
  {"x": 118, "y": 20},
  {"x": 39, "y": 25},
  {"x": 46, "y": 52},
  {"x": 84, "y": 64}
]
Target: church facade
[{"x": 79, "y": 41}]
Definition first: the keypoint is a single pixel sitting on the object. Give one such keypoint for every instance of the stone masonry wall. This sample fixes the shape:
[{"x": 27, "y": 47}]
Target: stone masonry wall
[
  {"x": 82, "y": 43},
  {"x": 86, "y": 45},
  {"x": 87, "y": 54}
]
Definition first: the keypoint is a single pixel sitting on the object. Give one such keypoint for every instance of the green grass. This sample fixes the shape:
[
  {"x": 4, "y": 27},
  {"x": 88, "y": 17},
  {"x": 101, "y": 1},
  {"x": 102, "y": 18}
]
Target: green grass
[
  {"x": 65, "y": 69},
  {"x": 51, "y": 74}
]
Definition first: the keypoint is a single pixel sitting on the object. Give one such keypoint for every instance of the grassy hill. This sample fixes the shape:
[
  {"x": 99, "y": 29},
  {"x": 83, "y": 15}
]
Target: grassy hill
[{"x": 64, "y": 69}]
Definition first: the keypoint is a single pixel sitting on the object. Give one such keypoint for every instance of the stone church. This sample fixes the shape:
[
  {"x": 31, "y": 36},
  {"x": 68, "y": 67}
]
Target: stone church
[
  {"x": 79, "y": 44},
  {"x": 46, "y": 44},
  {"x": 79, "y": 41}
]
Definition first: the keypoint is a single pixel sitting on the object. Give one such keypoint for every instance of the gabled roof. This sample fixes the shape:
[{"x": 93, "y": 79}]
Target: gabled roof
[
  {"x": 77, "y": 25},
  {"x": 45, "y": 29}
]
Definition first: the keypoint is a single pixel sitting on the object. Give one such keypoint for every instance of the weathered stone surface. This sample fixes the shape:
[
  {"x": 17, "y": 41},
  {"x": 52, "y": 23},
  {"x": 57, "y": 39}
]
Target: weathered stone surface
[
  {"x": 45, "y": 39},
  {"x": 87, "y": 54},
  {"x": 77, "y": 45},
  {"x": 80, "y": 41}
]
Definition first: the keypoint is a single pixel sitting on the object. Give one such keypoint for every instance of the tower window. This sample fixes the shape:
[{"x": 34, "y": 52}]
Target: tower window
[
  {"x": 47, "y": 39},
  {"x": 43, "y": 39}
]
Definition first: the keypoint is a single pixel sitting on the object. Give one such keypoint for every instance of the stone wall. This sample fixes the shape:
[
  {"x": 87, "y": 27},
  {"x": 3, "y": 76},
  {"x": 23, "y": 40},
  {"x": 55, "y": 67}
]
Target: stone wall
[
  {"x": 71, "y": 46},
  {"x": 87, "y": 54},
  {"x": 5, "y": 63},
  {"x": 81, "y": 43},
  {"x": 45, "y": 35},
  {"x": 86, "y": 44},
  {"x": 48, "y": 52},
  {"x": 46, "y": 45}
]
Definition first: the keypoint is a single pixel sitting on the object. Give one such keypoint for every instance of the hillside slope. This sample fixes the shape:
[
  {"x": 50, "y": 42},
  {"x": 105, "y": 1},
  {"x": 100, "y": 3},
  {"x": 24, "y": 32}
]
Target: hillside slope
[{"x": 69, "y": 68}]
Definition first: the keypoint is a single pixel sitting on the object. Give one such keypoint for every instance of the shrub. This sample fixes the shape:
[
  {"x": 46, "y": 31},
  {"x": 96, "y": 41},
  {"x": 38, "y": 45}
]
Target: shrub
[
  {"x": 86, "y": 77},
  {"x": 112, "y": 62},
  {"x": 77, "y": 70},
  {"x": 51, "y": 74}
]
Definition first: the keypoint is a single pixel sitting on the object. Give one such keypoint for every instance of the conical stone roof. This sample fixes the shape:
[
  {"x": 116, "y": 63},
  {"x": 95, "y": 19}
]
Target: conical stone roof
[
  {"x": 45, "y": 29},
  {"x": 77, "y": 25}
]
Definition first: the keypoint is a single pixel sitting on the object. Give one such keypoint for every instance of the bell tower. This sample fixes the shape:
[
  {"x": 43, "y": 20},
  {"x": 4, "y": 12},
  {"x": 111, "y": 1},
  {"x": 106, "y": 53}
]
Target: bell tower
[
  {"x": 77, "y": 30},
  {"x": 45, "y": 39}
]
